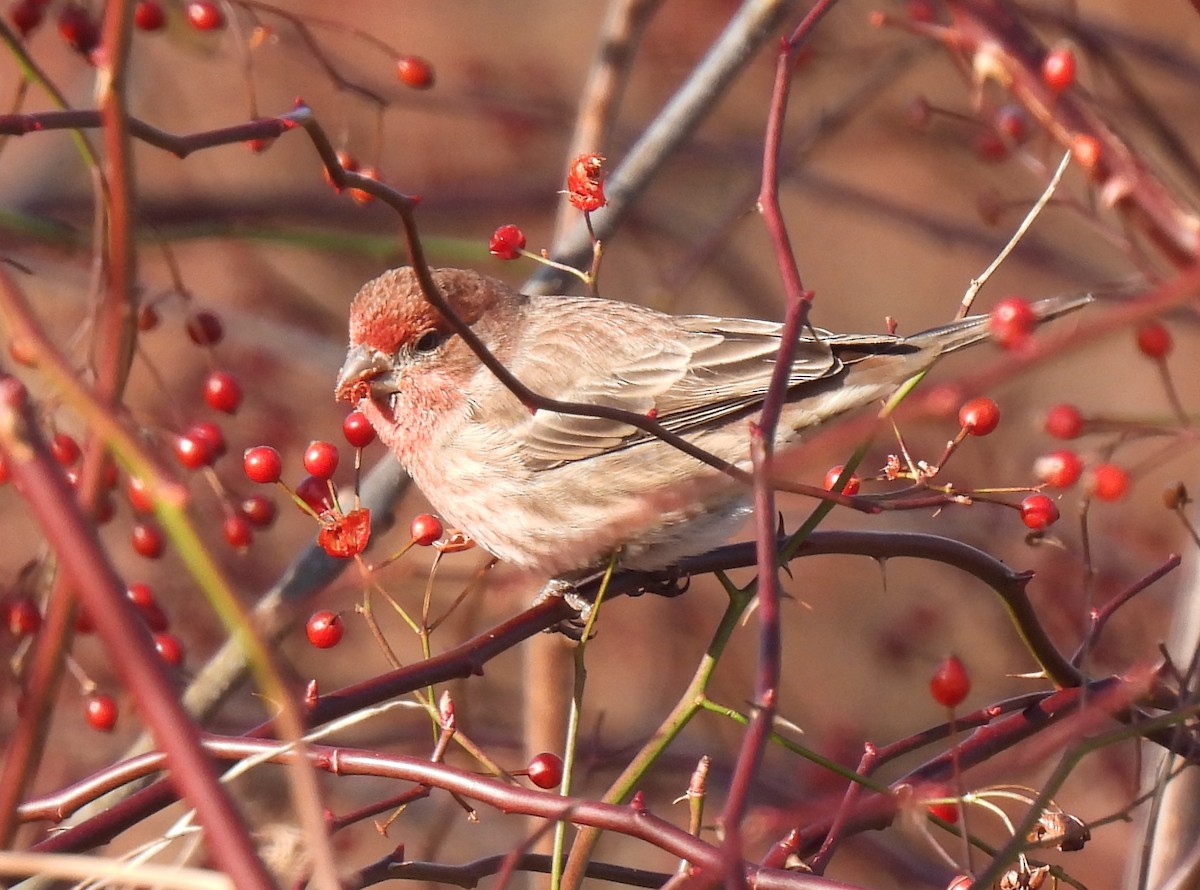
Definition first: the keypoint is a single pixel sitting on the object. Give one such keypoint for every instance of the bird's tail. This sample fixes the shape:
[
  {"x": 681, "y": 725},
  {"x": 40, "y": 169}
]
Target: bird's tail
[{"x": 970, "y": 330}]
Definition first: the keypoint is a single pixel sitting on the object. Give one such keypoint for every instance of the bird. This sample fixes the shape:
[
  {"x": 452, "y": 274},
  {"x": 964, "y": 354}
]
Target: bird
[{"x": 561, "y": 494}]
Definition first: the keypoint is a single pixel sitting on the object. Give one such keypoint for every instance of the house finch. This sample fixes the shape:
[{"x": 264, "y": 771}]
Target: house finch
[{"x": 560, "y": 494}]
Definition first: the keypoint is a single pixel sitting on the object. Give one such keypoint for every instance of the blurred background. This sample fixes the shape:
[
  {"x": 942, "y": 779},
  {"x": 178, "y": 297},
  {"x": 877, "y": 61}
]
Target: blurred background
[{"x": 897, "y": 193}]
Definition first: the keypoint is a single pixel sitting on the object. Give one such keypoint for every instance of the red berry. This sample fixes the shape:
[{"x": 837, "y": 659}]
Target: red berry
[
  {"x": 426, "y": 528},
  {"x": 1154, "y": 340},
  {"x": 84, "y": 623},
  {"x": 65, "y": 449},
  {"x": 142, "y": 596},
  {"x": 347, "y": 162},
  {"x": 222, "y": 391},
  {"x": 24, "y": 618},
  {"x": 259, "y": 509},
  {"x": 1064, "y": 422},
  {"x": 945, "y": 810},
  {"x": 361, "y": 195},
  {"x": 852, "y": 483},
  {"x": 147, "y": 540},
  {"x": 325, "y": 629},
  {"x": 921, "y": 10},
  {"x": 169, "y": 648},
  {"x": 979, "y": 416},
  {"x": 147, "y": 318},
  {"x": 23, "y": 352},
  {"x": 100, "y": 711},
  {"x": 1011, "y": 321},
  {"x": 1108, "y": 482},
  {"x": 191, "y": 451},
  {"x": 237, "y": 531},
  {"x": 5, "y": 469},
  {"x": 205, "y": 328},
  {"x": 315, "y": 493},
  {"x": 507, "y": 242},
  {"x": 321, "y": 459},
  {"x": 415, "y": 72},
  {"x": 949, "y": 684},
  {"x": 1012, "y": 121},
  {"x": 1058, "y": 68},
  {"x": 1038, "y": 512},
  {"x": 211, "y": 435},
  {"x": 139, "y": 495},
  {"x": 990, "y": 147},
  {"x": 545, "y": 770},
  {"x": 358, "y": 430},
  {"x": 25, "y": 15},
  {"x": 148, "y": 15},
  {"x": 78, "y": 28},
  {"x": 204, "y": 15},
  {"x": 1059, "y": 469},
  {"x": 262, "y": 464}
]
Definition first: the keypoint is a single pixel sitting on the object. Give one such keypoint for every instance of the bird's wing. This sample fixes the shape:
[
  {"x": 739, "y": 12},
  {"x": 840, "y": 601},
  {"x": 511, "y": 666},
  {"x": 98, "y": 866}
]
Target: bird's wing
[{"x": 699, "y": 371}]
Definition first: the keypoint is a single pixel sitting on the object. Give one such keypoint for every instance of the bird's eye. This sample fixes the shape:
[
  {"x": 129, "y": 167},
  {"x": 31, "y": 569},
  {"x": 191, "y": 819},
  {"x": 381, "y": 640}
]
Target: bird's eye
[{"x": 430, "y": 341}]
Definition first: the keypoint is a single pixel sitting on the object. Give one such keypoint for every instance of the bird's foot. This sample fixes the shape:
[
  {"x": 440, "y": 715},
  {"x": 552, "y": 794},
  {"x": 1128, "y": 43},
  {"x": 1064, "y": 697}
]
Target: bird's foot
[{"x": 575, "y": 626}]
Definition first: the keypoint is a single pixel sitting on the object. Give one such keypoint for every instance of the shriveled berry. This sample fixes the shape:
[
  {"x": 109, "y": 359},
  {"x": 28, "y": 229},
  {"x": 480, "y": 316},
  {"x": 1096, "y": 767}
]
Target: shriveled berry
[
  {"x": 1011, "y": 322},
  {"x": 507, "y": 242},
  {"x": 148, "y": 15},
  {"x": 321, "y": 459},
  {"x": 262, "y": 464},
  {"x": 979, "y": 416},
  {"x": 1108, "y": 482},
  {"x": 325, "y": 629},
  {"x": 100, "y": 711},
  {"x": 1059, "y": 469},
  {"x": 1059, "y": 68},
  {"x": 358, "y": 430},
  {"x": 415, "y": 72},
  {"x": 425, "y": 529},
  {"x": 147, "y": 540},
  {"x": 1175, "y": 496},
  {"x": 1064, "y": 422},
  {"x": 223, "y": 391},
  {"x": 853, "y": 483},
  {"x": 545, "y": 770},
  {"x": 1038, "y": 512},
  {"x": 204, "y": 15},
  {"x": 344, "y": 535},
  {"x": 1153, "y": 339},
  {"x": 259, "y": 509},
  {"x": 205, "y": 328},
  {"x": 950, "y": 683}
]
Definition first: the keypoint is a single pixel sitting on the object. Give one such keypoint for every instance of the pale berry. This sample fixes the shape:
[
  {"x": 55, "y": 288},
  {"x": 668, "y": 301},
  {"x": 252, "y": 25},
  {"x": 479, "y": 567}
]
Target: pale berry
[
  {"x": 1086, "y": 151},
  {"x": 237, "y": 531},
  {"x": 545, "y": 770},
  {"x": 1038, "y": 512},
  {"x": 1064, "y": 422},
  {"x": 222, "y": 391},
  {"x": 1011, "y": 322},
  {"x": 148, "y": 15},
  {"x": 147, "y": 540},
  {"x": 321, "y": 459},
  {"x": 426, "y": 528},
  {"x": 325, "y": 629},
  {"x": 205, "y": 328},
  {"x": 262, "y": 464},
  {"x": 950, "y": 683},
  {"x": 852, "y": 482},
  {"x": 204, "y": 15},
  {"x": 1154, "y": 340},
  {"x": 358, "y": 430},
  {"x": 1059, "y": 469},
  {"x": 1108, "y": 482},
  {"x": 1059, "y": 68},
  {"x": 100, "y": 711},
  {"x": 979, "y": 416},
  {"x": 415, "y": 72}
]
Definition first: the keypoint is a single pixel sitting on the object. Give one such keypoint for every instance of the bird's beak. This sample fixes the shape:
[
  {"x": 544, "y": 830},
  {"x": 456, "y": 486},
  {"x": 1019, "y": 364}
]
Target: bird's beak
[{"x": 361, "y": 374}]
